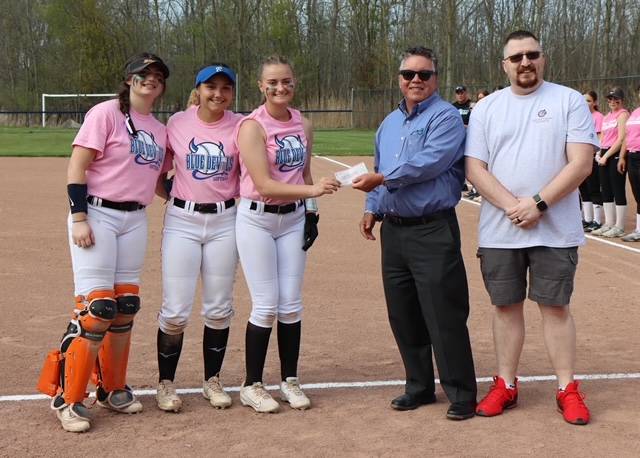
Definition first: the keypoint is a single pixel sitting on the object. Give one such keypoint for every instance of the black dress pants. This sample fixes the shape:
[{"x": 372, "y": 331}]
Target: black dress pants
[{"x": 425, "y": 285}]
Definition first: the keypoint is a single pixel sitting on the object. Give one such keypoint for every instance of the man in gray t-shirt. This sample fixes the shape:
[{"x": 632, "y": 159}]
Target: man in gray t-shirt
[{"x": 528, "y": 148}]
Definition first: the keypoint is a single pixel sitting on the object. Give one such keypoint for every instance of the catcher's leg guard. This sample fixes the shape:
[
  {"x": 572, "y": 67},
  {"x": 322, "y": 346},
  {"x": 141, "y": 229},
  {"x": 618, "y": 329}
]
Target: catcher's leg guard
[
  {"x": 81, "y": 342},
  {"x": 114, "y": 354}
]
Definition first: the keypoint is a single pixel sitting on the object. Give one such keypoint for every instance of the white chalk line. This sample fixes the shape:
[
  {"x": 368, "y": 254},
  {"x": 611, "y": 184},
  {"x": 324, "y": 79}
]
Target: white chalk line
[{"x": 344, "y": 385}]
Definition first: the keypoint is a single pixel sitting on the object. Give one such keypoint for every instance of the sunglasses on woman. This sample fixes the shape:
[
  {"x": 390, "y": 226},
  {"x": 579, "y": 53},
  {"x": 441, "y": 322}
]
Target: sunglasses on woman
[
  {"x": 409, "y": 75},
  {"x": 517, "y": 58}
]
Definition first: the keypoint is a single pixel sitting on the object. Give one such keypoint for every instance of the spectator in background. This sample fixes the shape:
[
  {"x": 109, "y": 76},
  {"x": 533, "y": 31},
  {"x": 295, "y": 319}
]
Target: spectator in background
[
  {"x": 630, "y": 160},
  {"x": 481, "y": 95},
  {"x": 463, "y": 104},
  {"x": 590, "y": 188},
  {"x": 612, "y": 181}
]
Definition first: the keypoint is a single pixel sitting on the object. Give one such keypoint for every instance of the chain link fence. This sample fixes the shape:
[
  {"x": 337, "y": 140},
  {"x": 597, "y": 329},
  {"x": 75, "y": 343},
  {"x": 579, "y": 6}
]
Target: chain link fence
[{"x": 365, "y": 109}]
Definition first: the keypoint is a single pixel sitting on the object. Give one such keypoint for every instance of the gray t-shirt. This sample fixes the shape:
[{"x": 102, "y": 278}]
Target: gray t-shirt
[{"x": 522, "y": 139}]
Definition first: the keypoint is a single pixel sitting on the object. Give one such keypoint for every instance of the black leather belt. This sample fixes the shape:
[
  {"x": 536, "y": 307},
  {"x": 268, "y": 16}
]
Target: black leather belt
[
  {"x": 414, "y": 221},
  {"x": 277, "y": 209},
  {"x": 122, "y": 206},
  {"x": 204, "y": 208}
]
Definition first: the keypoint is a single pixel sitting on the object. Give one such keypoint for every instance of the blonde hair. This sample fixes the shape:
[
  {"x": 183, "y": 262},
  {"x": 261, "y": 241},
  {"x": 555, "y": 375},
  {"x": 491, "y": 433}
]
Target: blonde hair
[
  {"x": 274, "y": 59},
  {"x": 194, "y": 99}
]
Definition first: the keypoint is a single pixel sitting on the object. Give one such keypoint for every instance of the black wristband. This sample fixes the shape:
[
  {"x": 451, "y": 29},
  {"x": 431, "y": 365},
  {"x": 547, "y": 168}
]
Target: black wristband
[{"x": 77, "y": 197}]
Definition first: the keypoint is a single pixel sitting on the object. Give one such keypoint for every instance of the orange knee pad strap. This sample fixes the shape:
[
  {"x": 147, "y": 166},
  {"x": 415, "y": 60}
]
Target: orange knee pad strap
[{"x": 113, "y": 358}]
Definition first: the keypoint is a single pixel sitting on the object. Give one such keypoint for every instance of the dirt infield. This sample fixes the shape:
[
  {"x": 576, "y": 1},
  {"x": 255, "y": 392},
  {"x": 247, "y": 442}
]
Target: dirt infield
[{"x": 346, "y": 338}]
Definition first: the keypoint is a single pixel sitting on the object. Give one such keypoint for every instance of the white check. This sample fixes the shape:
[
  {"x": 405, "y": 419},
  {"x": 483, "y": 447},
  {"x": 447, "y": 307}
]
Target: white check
[{"x": 346, "y": 177}]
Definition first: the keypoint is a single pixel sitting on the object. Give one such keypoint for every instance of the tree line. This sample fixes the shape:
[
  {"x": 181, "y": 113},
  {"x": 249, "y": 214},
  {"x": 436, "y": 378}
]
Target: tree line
[{"x": 335, "y": 45}]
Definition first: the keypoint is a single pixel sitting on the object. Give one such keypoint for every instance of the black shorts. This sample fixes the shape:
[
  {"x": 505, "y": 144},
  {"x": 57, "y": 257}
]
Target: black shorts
[{"x": 551, "y": 274}]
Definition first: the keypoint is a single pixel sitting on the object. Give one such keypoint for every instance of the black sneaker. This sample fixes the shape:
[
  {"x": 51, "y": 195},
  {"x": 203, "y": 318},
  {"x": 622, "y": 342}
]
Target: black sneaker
[{"x": 592, "y": 226}]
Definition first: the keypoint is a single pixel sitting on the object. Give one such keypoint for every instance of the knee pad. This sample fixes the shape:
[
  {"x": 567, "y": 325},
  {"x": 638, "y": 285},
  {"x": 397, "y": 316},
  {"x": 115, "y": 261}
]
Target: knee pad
[
  {"x": 81, "y": 342},
  {"x": 128, "y": 303},
  {"x": 290, "y": 317}
]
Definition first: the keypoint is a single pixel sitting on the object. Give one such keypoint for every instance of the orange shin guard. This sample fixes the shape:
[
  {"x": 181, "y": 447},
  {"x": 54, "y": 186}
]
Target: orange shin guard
[
  {"x": 113, "y": 357},
  {"x": 82, "y": 341},
  {"x": 49, "y": 381}
]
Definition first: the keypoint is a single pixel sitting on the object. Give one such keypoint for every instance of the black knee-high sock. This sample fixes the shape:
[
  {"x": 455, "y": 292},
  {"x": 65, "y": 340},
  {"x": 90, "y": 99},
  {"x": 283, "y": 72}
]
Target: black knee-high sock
[
  {"x": 214, "y": 346},
  {"x": 169, "y": 349},
  {"x": 257, "y": 342},
  {"x": 289, "y": 348}
]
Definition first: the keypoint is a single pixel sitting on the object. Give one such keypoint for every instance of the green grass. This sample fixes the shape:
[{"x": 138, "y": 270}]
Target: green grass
[
  {"x": 34, "y": 141},
  {"x": 343, "y": 142}
]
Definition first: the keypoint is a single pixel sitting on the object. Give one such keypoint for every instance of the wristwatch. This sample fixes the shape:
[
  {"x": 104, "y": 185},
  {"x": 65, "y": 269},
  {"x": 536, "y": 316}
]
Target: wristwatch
[{"x": 541, "y": 204}]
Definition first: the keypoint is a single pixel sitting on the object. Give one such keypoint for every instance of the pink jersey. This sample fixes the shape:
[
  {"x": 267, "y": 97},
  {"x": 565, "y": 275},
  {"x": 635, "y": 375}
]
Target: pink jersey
[
  {"x": 205, "y": 156},
  {"x": 125, "y": 168},
  {"x": 610, "y": 128},
  {"x": 633, "y": 131},
  {"x": 286, "y": 152},
  {"x": 597, "y": 120}
]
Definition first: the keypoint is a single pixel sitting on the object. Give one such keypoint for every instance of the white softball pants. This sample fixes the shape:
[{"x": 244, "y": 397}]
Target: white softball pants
[
  {"x": 197, "y": 245},
  {"x": 117, "y": 256},
  {"x": 270, "y": 249}
]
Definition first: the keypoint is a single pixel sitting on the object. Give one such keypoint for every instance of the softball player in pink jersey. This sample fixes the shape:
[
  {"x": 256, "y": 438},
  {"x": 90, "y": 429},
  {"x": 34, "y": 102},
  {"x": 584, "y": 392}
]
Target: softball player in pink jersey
[
  {"x": 199, "y": 233},
  {"x": 273, "y": 230},
  {"x": 117, "y": 158}
]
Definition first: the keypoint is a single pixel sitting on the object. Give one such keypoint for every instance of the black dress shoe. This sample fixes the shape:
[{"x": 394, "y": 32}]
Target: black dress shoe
[
  {"x": 461, "y": 410},
  {"x": 412, "y": 401}
]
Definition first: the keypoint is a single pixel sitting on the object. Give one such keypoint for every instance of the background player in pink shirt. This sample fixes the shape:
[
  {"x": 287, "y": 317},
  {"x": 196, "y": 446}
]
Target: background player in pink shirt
[
  {"x": 199, "y": 232},
  {"x": 590, "y": 188},
  {"x": 117, "y": 158},
  {"x": 612, "y": 182},
  {"x": 630, "y": 160},
  {"x": 273, "y": 230}
]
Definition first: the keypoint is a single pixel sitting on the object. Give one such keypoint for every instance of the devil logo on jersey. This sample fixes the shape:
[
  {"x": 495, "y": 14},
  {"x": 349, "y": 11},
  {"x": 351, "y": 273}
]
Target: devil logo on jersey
[
  {"x": 291, "y": 153},
  {"x": 207, "y": 160},
  {"x": 146, "y": 150}
]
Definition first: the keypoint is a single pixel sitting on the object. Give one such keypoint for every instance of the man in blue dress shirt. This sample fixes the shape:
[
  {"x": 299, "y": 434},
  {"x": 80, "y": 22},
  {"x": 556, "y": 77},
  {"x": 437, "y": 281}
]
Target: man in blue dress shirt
[{"x": 419, "y": 170}]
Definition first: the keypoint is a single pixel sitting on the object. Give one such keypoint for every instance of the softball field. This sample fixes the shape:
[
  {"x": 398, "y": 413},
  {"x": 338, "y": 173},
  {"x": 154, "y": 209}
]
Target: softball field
[{"x": 349, "y": 362}]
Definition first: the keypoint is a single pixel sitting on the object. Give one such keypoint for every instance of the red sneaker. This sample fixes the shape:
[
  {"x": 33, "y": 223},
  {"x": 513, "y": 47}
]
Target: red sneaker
[
  {"x": 571, "y": 404},
  {"x": 498, "y": 398}
]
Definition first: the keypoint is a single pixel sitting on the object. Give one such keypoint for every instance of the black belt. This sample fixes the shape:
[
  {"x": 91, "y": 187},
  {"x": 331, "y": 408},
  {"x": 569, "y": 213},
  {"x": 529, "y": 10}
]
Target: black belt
[
  {"x": 204, "y": 208},
  {"x": 123, "y": 206},
  {"x": 414, "y": 221},
  {"x": 277, "y": 209}
]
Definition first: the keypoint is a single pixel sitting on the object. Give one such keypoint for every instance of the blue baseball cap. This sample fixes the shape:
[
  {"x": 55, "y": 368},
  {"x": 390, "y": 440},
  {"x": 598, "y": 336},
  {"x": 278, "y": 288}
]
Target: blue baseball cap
[{"x": 209, "y": 72}]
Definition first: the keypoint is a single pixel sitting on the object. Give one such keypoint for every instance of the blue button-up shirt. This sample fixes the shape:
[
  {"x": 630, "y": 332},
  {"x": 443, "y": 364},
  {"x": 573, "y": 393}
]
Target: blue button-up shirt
[{"x": 421, "y": 157}]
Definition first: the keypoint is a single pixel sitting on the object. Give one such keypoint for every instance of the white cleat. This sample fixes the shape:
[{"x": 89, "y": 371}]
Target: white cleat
[
  {"x": 291, "y": 392},
  {"x": 167, "y": 398},
  {"x": 258, "y": 398},
  {"x": 213, "y": 390},
  {"x": 74, "y": 418}
]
